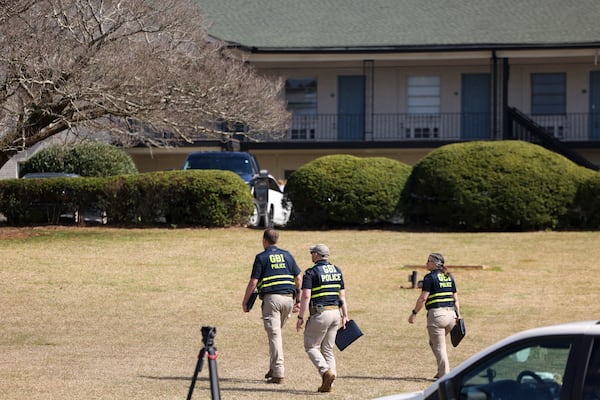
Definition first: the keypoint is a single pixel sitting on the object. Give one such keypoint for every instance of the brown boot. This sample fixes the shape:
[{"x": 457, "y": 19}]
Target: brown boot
[
  {"x": 269, "y": 374},
  {"x": 328, "y": 378}
]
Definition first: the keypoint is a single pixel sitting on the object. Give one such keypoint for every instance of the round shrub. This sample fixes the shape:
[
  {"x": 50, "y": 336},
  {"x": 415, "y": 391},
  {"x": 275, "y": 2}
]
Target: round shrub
[
  {"x": 87, "y": 159},
  {"x": 586, "y": 208},
  {"x": 50, "y": 159},
  {"x": 345, "y": 190},
  {"x": 503, "y": 185}
]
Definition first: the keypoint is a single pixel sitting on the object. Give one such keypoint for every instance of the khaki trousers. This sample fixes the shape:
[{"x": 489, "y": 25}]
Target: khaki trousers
[
  {"x": 440, "y": 322},
  {"x": 276, "y": 309},
  {"x": 319, "y": 339}
]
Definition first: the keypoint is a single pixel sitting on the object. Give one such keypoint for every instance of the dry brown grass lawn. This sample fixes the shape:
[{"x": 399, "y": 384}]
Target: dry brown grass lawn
[{"x": 95, "y": 313}]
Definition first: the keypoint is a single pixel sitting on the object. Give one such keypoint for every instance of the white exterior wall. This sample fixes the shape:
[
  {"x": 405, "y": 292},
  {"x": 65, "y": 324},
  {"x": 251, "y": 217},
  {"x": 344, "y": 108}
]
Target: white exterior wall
[{"x": 390, "y": 83}]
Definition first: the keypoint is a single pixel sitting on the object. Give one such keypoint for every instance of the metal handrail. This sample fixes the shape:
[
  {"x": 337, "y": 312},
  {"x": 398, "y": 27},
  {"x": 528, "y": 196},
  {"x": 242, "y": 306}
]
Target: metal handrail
[
  {"x": 441, "y": 126},
  {"x": 523, "y": 127}
]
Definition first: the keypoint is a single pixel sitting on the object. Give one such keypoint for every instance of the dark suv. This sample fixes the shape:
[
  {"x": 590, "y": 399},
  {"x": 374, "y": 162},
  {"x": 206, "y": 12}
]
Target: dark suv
[{"x": 243, "y": 164}]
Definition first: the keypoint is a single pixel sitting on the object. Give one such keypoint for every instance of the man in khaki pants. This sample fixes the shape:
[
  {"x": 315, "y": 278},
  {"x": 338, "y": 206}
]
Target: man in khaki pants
[
  {"x": 323, "y": 295},
  {"x": 277, "y": 277}
]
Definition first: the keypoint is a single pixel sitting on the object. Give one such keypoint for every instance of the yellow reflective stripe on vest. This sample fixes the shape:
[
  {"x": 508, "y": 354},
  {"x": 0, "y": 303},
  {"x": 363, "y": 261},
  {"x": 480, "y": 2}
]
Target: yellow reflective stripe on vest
[
  {"x": 442, "y": 297},
  {"x": 325, "y": 294},
  {"x": 318, "y": 291},
  {"x": 276, "y": 280}
]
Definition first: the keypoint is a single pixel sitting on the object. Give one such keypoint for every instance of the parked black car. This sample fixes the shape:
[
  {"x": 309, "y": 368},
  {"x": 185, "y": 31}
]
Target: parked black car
[{"x": 67, "y": 210}]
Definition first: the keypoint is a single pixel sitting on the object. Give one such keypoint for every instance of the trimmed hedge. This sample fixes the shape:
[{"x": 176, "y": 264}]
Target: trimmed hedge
[
  {"x": 86, "y": 159},
  {"x": 193, "y": 198},
  {"x": 30, "y": 201},
  {"x": 508, "y": 185},
  {"x": 345, "y": 190},
  {"x": 585, "y": 212},
  {"x": 475, "y": 186}
]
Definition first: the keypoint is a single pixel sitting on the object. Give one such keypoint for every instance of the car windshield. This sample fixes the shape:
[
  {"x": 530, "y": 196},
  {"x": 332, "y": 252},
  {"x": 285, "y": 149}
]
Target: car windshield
[
  {"x": 591, "y": 387},
  {"x": 531, "y": 371},
  {"x": 239, "y": 165}
]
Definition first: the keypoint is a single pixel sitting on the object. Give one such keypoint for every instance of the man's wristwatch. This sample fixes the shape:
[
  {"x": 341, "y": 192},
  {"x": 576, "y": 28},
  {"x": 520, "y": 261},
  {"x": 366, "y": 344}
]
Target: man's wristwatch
[
  {"x": 300, "y": 318},
  {"x": 414, "y": 312}
]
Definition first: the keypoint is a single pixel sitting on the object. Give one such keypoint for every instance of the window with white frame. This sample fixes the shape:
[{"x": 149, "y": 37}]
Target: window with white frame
[
  {"x": 423, "y": 107},
  {"x": 301, "y": 97},
  {"x": 548, "y": 102},
  {"x": 548, "y": 93}
]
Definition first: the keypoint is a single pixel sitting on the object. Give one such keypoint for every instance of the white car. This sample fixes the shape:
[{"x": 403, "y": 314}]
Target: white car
[
  {"x": 277, "y": 213},
  {"x": 557, "y": 362}
]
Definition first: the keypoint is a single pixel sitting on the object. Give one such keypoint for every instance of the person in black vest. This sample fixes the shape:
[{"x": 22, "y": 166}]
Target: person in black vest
[
  {"x": 440, "y": 298},
  {"x": 323, "y": 296},
  {"x": 277, "y": 277}
]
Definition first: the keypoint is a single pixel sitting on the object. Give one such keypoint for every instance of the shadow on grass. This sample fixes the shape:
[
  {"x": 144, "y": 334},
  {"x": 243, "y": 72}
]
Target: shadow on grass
[
  {"x": 390, "y": 378},
  {"x": 268, "y": 388},
  {"x": 260, "y": 381}
]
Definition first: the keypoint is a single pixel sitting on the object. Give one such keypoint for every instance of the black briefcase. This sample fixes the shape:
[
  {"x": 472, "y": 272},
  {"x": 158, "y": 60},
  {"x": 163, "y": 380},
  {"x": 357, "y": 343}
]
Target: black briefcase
[
  {"x": 345, "y": 337},
  {"x": 251, "y": 300},
  {"x": 458, "y": 332}
]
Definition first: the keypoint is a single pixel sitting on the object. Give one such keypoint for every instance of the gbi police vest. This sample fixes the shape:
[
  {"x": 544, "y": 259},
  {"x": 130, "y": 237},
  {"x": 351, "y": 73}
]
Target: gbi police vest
[
  {"x": 442, "y": 291},
  {"x": 278, "y": 276},
  {"x": 327, "y": 282}
]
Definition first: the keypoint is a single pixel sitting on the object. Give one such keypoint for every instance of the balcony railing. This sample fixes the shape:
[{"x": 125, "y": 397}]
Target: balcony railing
[
  {"x": 442, "y": 127},
  {"x": 574, "y": 127}
]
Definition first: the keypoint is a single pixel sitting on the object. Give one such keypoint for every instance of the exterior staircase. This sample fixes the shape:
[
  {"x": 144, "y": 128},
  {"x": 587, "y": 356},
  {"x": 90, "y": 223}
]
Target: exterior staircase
[{"x": 521, "y": 127}]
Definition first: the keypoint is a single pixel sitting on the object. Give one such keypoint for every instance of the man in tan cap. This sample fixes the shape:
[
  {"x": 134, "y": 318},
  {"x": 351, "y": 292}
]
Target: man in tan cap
[{"x": 324, "y": 298}]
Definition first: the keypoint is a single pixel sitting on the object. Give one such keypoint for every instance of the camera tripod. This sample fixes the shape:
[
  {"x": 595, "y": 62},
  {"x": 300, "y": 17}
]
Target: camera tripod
[{"x": 208, "y": 335}]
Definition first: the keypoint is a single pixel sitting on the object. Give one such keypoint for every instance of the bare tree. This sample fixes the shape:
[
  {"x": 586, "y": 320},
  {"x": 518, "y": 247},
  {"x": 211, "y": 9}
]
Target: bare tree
[{"x": 130, "y": 68}]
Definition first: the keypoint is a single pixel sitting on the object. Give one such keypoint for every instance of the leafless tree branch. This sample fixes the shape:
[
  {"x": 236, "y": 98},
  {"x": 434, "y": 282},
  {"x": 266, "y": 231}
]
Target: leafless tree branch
[{"x": 130, "y": 70}]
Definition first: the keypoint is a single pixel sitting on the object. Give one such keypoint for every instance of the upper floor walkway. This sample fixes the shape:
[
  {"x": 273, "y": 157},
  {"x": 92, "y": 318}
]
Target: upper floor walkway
[{"x": 579, "y": 127}]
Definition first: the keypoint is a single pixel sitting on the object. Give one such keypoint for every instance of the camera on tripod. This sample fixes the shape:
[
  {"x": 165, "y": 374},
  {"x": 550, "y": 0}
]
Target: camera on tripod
[{"x": 208, "y": 335}]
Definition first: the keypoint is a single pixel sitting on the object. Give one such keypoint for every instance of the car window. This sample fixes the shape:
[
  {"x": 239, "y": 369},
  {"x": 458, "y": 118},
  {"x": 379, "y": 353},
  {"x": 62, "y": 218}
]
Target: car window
[
  {"x": 273, "y": 185},
  {"x": 530, "y": 371},
  {"x": 591, "y": 387},
  {"x": 239, "y": 165}
]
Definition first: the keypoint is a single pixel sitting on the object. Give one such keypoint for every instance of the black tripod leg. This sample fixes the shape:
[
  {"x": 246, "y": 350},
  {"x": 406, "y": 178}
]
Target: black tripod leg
[
  {"x": 214, "y": 376},
  {"x": 196, "y": 371}
]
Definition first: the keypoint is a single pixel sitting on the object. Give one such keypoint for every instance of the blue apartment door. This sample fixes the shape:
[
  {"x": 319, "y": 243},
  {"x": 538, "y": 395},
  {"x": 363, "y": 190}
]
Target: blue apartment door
[
  {"x": 475, "y": 107},
  {"x": 595, "y": 105},
  {"x": 351, "y": 107}
]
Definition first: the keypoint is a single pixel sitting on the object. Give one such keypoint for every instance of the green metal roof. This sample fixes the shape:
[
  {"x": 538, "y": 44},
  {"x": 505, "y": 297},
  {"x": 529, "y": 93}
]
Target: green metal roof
[{"x": 285, "y": 25}]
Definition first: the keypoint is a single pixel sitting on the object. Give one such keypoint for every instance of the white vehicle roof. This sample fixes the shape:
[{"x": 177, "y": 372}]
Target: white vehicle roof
[
  {"x": 591, "y": 327},
  {"x": 570, "y": 328}
]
